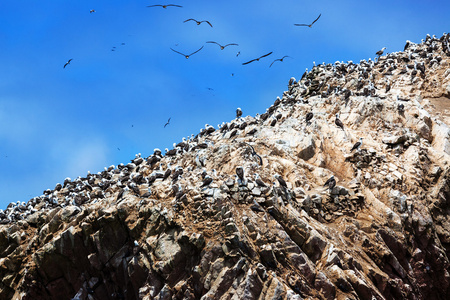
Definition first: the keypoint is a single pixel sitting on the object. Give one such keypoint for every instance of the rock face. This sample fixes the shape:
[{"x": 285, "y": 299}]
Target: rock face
[{"x": 181, "y": 226}]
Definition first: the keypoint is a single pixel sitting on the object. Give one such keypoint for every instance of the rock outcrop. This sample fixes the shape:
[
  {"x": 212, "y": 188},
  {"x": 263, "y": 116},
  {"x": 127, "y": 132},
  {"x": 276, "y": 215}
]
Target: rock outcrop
[{"x": 183, "y": 226}]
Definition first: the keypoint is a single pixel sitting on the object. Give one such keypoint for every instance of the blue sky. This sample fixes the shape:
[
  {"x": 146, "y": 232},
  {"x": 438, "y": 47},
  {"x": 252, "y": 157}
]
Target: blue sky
[{"x": 60, "y": 122}]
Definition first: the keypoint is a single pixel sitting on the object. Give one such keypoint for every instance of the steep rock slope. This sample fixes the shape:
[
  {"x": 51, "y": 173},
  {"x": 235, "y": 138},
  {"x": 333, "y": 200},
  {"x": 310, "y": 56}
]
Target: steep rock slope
[{"x": 184, "y": 226}]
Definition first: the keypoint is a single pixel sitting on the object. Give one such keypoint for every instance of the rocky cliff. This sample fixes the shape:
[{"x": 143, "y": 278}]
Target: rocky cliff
[{"x": 184, "y": 225}]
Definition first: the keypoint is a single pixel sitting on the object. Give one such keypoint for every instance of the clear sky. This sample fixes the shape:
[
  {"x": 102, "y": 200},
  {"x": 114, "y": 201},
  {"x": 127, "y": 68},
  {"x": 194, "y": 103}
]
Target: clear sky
[{"x": 106, "y": 105}]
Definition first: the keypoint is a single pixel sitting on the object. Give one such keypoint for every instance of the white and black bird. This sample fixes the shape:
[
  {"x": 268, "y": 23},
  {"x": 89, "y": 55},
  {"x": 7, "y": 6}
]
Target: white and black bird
[
  {"x": 280, "y": 181},
  {"x": 309, "y": 25},
  {"x": 198, "y": 22},
  {"x": 309, "y": 117},
  {"x": 357, "y": 145},
  {"x": 380, "y": 52},
  {"x": 338, "y": 122},
  {"x": 238, "y": 113},
  {"x": 255, "y": 154},
  {"x": 240, "y": 174},
  {"x": 186, "y": 55},
  {"x": 207, "y": 180},
  {"x": 259, "y": 181},
  {"x": 331, "y": 183},
  {"x": 67, "y": 63}
]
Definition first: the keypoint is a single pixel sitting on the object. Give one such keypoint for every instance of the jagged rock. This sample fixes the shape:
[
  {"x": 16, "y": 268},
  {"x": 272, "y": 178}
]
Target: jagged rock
[{"x": 382, "y": 233}]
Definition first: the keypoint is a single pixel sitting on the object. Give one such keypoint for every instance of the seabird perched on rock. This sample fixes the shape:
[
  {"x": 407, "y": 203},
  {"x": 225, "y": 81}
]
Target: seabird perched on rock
[
  {"x": 207, "y": 180},
  {"x": 187, "y": 56},
  {"x": 380, "y": 52},
  {"x": 338, "y": 122},
  {"x": 259, "y": 182},
  {"x": 167, "y": 172},
  {"x": 309, "y": 116},
  {"x": 171, "y": 152},
  {"x": 357, "y": 145},
  {"x": 238, "y": 113},
  {"x": 240, "y": 173},
  {"x": 255, "y": 154},
  {"x": 280, "y": 180},
  {"x": 331, "y": 183}
]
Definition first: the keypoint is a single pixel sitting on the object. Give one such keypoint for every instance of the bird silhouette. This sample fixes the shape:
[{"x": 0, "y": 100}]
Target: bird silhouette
[
  {"x": 222, "y": 47},
  {"x": 164, "y": 5},
  {"x": 187, "y": 56},
  {"x": 67, "y": 63},
  {"x": 279, "y": 59},
  {"x": 309, "y": 25},
  {"x": 198, "y": 22},
  {"x": 91, "y": 11},
  {"x": 257, "y": 59},
  {"x": 168, "y": 121}
]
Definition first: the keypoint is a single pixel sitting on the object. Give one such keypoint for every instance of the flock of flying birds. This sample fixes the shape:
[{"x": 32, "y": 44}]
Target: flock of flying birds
[{"x": 212, "y": 42}]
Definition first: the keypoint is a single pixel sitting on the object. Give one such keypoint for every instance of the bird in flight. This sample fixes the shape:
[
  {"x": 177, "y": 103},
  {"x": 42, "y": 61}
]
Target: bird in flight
[
  {"x": 222, "y": 47},
  {"x": 67, "y": 63},
  {"x": 279, "y": 59},
  {"x": 257, "y": 59},
  {"x": 187, "y": 56},
  {"x": 309, "y": 24},
  {"x": 91, "y": 11},
  {"x": 165, "y": 5},
  {"x": 198, "y": 22},
  {"x": 168, "y": 121}
]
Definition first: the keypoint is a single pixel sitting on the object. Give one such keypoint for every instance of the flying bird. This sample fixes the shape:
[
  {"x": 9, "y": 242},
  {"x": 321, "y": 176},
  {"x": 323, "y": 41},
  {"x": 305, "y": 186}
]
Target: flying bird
[
  {"x": 309, "y": 24},
  {"x": 91, "y": 11},
  {"x": 198, "y": 22},
  {"x": 67, "y": 63},
  {"x": 168, "y": 121},
  {"x": 222, "y": 47},
  {"x": 164, "y": 5},
  {"x": 279, "y": 59},
  {"x": 187, "y": 56},
  {"x": 257, "y": 59}
]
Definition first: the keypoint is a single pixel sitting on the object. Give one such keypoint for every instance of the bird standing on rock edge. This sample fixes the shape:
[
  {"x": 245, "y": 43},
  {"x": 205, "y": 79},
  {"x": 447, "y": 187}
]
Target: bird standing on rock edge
[
  {"x": 238, "y": 113},
  {"x": 357, "y": 145},
  {"x": 338, "y": 122},
  {"x": 331, "y": 183}
]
